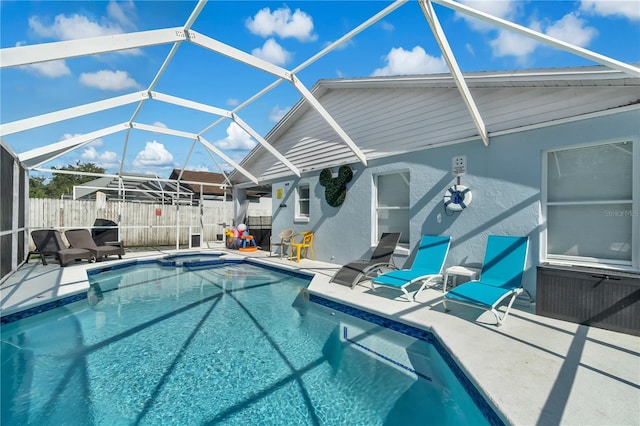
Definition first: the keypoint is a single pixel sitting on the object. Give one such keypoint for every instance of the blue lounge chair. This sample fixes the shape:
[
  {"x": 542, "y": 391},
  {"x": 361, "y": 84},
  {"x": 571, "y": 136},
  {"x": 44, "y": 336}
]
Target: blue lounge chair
[
  {"x": 426, "y": 267},
  {"x": 501, "y": 277}
]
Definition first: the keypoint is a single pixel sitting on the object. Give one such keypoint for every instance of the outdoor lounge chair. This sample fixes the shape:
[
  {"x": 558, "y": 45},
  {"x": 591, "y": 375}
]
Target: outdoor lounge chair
[
  {"x": 354, "y": 272},
  {"x": 285, "y": 240},
  {"x": 48, "y": 242},
  {"x": 81, "y": 238},
  {"x": 501, "y": 277},
  {"x": 105, "y": 233},
  {"x": 427, "y": 266}
]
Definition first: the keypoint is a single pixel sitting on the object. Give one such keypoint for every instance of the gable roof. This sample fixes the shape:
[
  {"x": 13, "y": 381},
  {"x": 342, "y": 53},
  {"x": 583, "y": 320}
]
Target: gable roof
[{"x": 388, "y": 115}]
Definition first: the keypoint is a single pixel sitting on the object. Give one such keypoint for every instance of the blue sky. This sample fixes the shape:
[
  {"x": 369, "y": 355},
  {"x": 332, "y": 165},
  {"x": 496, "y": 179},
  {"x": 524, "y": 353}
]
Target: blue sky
[{"x": 284, "y": 33}]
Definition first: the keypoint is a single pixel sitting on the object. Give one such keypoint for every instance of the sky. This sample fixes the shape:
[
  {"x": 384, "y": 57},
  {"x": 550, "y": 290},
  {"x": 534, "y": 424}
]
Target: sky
[{"x": 283, "y": 33}]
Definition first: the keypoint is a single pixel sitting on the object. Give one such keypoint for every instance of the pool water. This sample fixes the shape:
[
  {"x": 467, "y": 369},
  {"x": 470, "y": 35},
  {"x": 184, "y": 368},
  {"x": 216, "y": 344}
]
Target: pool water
[{"x": 218, "y": 344}]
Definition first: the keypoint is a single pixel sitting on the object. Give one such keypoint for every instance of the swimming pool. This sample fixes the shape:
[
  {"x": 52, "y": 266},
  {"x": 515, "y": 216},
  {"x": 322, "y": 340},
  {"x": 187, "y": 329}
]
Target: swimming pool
[{"x": 224, "y": 343}]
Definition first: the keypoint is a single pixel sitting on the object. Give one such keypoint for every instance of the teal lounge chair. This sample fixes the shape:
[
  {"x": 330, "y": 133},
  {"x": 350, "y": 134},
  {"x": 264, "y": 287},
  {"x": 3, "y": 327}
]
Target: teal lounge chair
[
  {"x": 426, "y": 267},
  {"x": 501, "y": 277}
]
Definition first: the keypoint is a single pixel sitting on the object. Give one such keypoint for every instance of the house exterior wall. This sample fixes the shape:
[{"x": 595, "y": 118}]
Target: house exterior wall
[{"x": 505, "y": 177}]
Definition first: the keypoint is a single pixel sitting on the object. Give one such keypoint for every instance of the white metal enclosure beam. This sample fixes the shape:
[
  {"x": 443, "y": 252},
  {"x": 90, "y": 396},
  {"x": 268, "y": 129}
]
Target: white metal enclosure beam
[
  {"x": 62, "y": 147},
  {"x": 377, "y": 17},
  {"x": 190, "y": 104},
  {"x": 441, "y": 39},
  {"x": 237, "y": 54},
  {"x": 192, "y": 18},
  {"x": 32, "y": 54},
  {"x": 163, "y": 130},
  {"x": 73, "y": 112},
  {"x": 266, "y": 144},
  {"x": 329, "y": 119},
  {"x": 222, "y": 155},
  {"x": 528, "y": 32},
  {"x": 192, "y": 136}
]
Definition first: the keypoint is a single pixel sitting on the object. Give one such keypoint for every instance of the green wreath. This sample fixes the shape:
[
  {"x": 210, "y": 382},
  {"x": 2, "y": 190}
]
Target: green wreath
[{"x": 335, "y": 190}]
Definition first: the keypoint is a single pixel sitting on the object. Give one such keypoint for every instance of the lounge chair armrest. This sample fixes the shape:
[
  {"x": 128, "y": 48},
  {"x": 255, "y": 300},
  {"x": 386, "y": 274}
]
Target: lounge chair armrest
[{"x": 376, "y": 270}]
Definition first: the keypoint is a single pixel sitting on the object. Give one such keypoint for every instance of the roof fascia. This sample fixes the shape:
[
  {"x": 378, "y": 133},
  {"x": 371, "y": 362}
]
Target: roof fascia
[
  {"x": 449, "y": 57},
  {"x": 568, "y": 47}
]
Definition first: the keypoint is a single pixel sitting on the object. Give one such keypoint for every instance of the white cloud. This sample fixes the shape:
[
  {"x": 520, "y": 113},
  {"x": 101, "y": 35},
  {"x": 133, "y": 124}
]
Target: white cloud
[
  {"x": 120, "y": 19},
  {"x": 160, "y": 124},
  {"x": 104, "y": 159},
  {"x": 108, "y": 80},
  {"x": 469, "y": 48},
  {"x": 570, "y": 28},
  {"x": 51, "y": 69},
  {"x": 233, "y": 102},
  {"x": 199, "y": 168},
  {"x": 508, "y": 43},
  {"x": 154, "y": 155},
  {"x": 416, "y": 61},
  {"x": 573, "y": 30},
  {"x": 72, "y": 27},
  {"x": 123, "y": 12},
  {"x": 271, "y": 51},
  {"x": 282, "y": 23},
  {"x": 236, "y": 138},
  {"x": 505, "y": 9},
  {"x": 629, "y": 9},
  {"x": 277, "y": 113},
  {"x": 387, "y": 26}
]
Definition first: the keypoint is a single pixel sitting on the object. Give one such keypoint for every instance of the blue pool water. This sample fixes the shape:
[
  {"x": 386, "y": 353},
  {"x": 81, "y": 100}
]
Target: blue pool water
[{"x": 226, "y": 343}]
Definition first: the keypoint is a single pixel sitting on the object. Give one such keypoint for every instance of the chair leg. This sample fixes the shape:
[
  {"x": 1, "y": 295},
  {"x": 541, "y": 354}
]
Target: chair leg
[
  {"x": 495, "y": 312},
  {"x": 407, "y": 295}
]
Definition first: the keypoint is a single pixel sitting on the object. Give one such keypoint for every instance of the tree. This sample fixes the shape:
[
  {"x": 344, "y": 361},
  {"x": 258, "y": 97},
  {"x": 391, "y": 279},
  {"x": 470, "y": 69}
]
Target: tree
[
  {"x": 61, "y": 184},
  {"x": 37, "y": 187}
]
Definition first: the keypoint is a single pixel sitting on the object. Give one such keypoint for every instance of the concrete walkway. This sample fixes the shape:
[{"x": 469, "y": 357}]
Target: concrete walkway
[{"x": 534, "y": 370}]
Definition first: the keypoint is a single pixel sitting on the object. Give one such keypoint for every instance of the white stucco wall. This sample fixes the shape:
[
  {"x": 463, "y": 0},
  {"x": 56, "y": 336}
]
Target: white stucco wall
[{"x": 505, "y": 177}]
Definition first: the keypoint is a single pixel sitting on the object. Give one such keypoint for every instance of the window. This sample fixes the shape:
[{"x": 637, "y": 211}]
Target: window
[
  {"x": 392, "y": 204},
  {"x": 302, "y": 202},
  {"x": 590, "y": 204}
]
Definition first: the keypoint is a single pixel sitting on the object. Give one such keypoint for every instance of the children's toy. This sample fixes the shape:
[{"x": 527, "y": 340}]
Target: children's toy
[
  {"x": 240, "y": 239},
  {"x": 248, "y": 243}
]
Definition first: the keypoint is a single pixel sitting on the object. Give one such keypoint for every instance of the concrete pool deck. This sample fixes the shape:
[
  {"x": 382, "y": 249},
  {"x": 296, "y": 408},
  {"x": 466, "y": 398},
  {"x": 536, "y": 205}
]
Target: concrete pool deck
[{"x": 534, "y": 370}]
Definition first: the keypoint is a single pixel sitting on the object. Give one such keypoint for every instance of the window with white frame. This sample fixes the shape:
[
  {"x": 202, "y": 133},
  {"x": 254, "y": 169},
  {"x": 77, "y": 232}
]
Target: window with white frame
[
  {"x": 392, "y": 204},
  {"x": 590, "y": 208},
  {"x": 302, "y": 202}
]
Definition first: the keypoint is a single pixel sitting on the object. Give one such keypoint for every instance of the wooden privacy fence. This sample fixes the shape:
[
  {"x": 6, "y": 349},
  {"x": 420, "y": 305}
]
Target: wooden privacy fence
[{"x": 141, "y": 224}]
